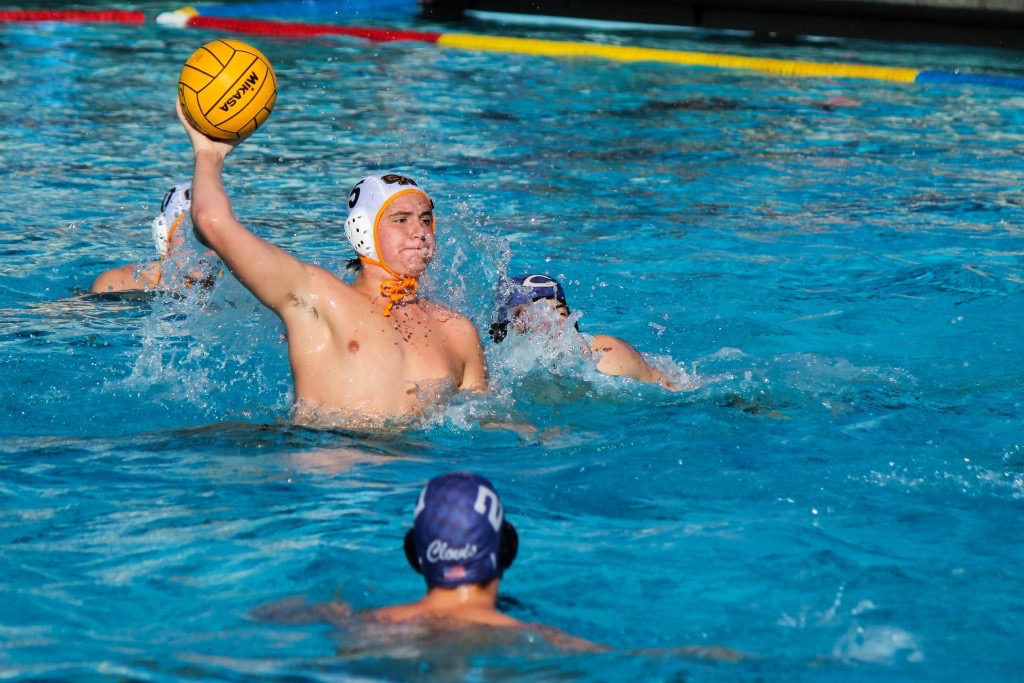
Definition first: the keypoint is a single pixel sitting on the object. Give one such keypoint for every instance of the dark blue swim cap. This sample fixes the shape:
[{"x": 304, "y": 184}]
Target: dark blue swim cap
[
  {"x": 520, "y": 290},
  {"x": 458, "y": 532},
  {"x": 523, "y": 290}
]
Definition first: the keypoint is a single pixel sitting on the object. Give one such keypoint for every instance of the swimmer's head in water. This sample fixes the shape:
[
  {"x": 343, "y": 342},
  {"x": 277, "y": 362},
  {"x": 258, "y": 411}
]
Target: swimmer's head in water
[
  {"x": 176, "y": 205},
  {"x": 459, "y": 533},
  {"x": 522, "y": 290}
]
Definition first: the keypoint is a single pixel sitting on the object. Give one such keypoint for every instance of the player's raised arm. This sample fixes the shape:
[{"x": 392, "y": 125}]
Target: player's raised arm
[{"x": 270, "y": 273}]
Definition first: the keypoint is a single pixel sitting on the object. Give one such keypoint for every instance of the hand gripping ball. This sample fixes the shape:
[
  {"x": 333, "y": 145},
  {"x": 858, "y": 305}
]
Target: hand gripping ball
[{"x": 227, "y": 89}]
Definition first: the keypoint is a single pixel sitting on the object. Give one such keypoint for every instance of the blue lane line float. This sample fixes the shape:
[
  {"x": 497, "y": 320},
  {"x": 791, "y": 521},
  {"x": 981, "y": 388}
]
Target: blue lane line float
[
  {"x": 292, "y": 9},
  {"x": 932, "y": 77}
]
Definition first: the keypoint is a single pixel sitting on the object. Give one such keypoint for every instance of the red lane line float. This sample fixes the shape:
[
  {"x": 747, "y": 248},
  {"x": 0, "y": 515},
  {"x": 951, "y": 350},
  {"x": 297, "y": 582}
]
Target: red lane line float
[
  {"x": 255, "y": 26},
  {"x": 113, "y": 16}
]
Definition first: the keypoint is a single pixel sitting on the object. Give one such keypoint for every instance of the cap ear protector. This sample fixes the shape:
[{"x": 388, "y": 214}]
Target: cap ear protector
[
  {"x": 498, "y": 332},
  {"x": 506, "y": 553}
]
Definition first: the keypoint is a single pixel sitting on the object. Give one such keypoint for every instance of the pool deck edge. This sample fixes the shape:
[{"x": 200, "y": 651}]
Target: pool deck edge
[{"x": 985, "y": 23}]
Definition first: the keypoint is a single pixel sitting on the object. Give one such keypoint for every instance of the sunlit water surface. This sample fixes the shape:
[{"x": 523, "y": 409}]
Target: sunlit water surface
[{"x": 831, "y": 268}]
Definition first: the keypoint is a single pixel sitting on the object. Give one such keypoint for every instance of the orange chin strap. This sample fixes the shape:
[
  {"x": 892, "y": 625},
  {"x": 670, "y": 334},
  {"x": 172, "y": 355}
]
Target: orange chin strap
[
  {"x": 170, "y": 235},
  {"x": 394, "y": 289}
]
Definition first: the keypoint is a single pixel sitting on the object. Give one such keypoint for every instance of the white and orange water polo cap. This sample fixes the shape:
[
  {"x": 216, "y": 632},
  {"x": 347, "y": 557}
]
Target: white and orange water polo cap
[
  {"x": 175, "y": 207},
  {"x": 367, "y": 201}
]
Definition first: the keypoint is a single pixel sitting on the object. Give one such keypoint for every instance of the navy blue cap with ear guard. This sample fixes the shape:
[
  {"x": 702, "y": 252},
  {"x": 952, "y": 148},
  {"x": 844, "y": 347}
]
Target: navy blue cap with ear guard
[
  {"x": 520, "y": 290},
  {"x": 460, "y": 535}
]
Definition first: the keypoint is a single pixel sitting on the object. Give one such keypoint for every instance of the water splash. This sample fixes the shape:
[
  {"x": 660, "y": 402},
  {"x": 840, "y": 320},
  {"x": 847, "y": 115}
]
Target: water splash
[{"x": 878, "y": 645}]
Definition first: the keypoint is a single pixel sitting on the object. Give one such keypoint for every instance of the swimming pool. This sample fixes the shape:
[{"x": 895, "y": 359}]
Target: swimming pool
[{"x": 834, "y": 266}]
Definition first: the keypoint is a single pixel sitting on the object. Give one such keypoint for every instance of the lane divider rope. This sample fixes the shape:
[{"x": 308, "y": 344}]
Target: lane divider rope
[
  {"x": 108, "y": 16},
  {"x": 552, "y": 48},
  {"x": 548, "y": 48}
]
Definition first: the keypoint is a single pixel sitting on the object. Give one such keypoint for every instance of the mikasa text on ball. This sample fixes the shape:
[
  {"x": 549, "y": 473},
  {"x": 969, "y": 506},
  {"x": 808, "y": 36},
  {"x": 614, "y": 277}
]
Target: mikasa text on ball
[{"x": 227, "y": 89}]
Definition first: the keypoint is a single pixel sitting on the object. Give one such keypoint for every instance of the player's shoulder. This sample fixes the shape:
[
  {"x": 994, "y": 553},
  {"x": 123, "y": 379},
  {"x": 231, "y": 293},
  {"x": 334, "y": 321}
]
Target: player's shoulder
[
  {"x": 395, "y": 613},
  {"x": 324, "y": 281},
  {"x": 127, "y": 277},
  {"x": 606, "y": 343},
  {"x": 446, "y": 314}
]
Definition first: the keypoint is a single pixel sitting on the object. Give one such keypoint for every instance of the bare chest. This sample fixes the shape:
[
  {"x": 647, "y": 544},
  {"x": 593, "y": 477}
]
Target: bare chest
[{"x": 416, "y": 344}]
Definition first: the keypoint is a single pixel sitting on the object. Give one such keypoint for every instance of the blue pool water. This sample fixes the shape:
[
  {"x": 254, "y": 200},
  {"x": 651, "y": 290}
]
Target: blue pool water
[{"x": 832, "y": 268}]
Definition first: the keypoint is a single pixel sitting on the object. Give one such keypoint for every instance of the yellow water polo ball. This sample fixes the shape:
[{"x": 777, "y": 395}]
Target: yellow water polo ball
[{"x": 227, "y": 89}]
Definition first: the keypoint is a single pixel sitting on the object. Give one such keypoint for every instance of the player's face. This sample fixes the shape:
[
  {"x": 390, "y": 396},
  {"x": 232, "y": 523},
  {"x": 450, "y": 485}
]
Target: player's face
[
  {"x": 543, "y": 315},
  {"x": 405, "y": 234}
]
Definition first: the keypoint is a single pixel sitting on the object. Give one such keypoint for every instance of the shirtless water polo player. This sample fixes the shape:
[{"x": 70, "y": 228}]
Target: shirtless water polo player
[
  {"x": 461, "y": 543},
  {"x": 369, "y": 353}
]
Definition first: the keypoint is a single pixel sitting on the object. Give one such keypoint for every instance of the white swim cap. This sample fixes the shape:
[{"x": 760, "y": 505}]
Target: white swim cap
[
  {"x": 177, "y": 203},
  {"x": 366, "y": 203}
]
